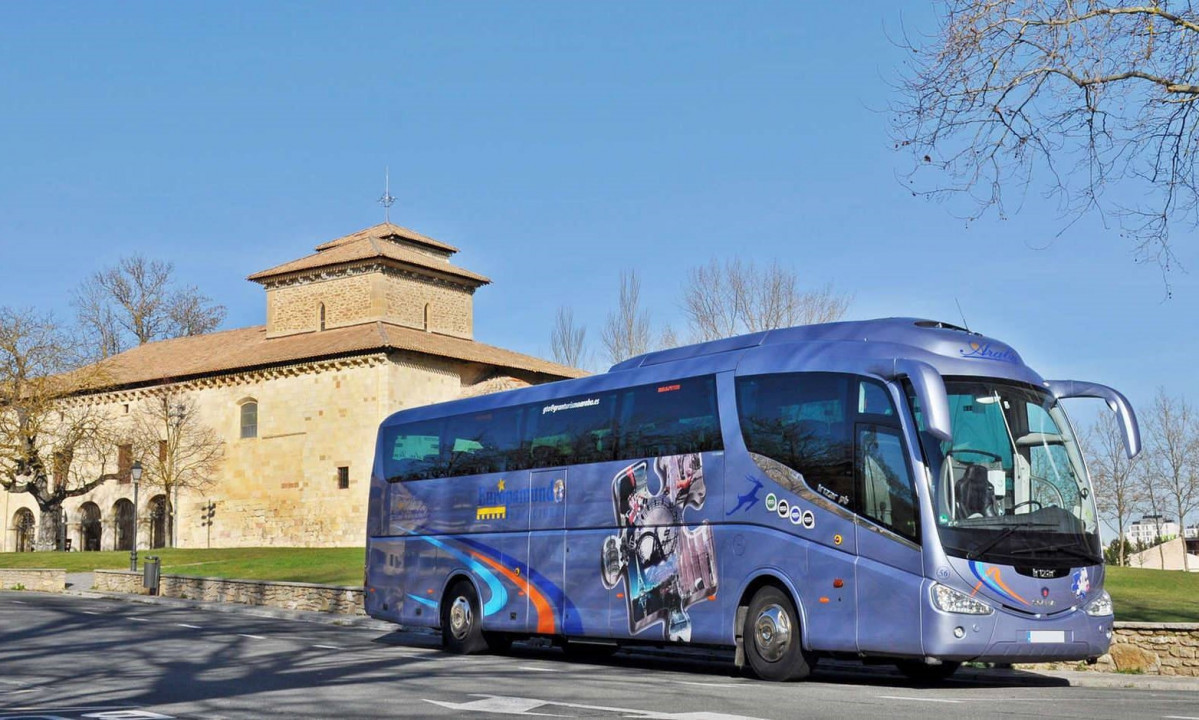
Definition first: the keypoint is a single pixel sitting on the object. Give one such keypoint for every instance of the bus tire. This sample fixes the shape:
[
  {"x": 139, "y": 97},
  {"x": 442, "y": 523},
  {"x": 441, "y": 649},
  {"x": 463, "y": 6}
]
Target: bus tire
[
  {"x": 461, "y": 621},
  {"x": 773, "y": 643},
  {"x": 921, "y": 672}
]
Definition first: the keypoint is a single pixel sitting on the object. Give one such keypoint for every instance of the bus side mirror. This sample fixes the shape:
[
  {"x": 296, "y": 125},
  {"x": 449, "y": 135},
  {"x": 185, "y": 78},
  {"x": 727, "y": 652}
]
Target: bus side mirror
[
  {"x": 930, "y": 391},
  {"x": 1064, "y": 389}
]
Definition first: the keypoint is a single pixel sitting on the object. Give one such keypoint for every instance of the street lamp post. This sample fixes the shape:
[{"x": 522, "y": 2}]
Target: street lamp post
[{"x": 135, "y": 473}]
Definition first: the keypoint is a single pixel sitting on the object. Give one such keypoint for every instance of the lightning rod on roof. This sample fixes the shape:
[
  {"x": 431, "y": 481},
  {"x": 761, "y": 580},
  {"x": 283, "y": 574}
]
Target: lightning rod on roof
[{"x": 387, "y": 200}]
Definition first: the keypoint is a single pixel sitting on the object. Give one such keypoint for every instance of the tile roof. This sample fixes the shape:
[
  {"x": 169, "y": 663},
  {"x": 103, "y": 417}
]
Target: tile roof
[
  {"x": 249, "y": 348},
  {"x": 378, "y": 243},
  {"x": 386, "y": 231}
]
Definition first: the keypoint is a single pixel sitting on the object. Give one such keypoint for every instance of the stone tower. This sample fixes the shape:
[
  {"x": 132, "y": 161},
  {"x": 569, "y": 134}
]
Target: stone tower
[{"x": 384, "y": 273}]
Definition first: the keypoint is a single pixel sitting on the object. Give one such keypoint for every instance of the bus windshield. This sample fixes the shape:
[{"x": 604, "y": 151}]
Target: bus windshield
[{"x": 1011, "y": 487}]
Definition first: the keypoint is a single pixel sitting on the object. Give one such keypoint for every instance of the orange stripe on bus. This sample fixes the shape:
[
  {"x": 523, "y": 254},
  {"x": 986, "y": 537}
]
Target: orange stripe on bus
[{"x": 545, "y": 614}]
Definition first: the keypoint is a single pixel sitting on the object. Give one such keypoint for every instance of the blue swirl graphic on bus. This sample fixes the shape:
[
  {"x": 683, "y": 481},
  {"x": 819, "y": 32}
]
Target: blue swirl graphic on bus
[
  {"x": 991, "y": 577},
  {"x": 499, "y": 595}
]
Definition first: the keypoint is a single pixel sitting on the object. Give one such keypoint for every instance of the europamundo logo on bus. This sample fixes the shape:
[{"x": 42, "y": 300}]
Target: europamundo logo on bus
[
  {"x": 989, "y": 351},
  {"x": 493, "y": 503}
]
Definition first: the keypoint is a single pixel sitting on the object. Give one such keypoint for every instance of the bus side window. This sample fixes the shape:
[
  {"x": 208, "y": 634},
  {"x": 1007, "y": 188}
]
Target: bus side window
[
  {"x": 414, "y": 451},
  {"x": 481, "y": 443},
  {"x": 887, "y": 494},
  {"x": 669, "y": 418},
  {"x": 570, "y": 431},
  {"x": 802, "y": 421}
]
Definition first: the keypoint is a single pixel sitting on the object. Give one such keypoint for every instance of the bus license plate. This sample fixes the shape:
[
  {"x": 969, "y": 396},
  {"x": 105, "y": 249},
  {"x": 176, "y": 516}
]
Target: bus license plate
[{"x": 1047, "y": 636}]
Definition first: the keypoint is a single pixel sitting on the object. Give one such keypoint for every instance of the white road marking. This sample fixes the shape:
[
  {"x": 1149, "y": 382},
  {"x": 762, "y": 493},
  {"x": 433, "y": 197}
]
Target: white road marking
[
  {"x": 252, "y": 637},
  {"x": 716, "y": 685},
  {"x": 501, "y": 705},
  {"x": 536, "y": 669},
  {"x": 20, "y": 602},
  {"x": 137, "y": 619},
  {"x": 327, "y": 647},
  {"x": 193, "y": 627},
  {"x": 917, "y": 699},
  {"x": 89, "y": 612},
  {"x": 1180, "y": 717}
]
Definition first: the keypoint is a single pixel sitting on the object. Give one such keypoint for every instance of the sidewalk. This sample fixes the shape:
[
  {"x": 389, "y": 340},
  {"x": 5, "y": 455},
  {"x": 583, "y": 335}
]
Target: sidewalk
[{"x": 81, "y": 584}]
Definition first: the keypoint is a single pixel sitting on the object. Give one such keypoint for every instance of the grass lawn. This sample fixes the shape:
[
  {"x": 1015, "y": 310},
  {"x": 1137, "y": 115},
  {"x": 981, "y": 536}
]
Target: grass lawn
[
  {"x": 1154, "y": 595},
  {"x": 1139, "y": 595},
  {"x": 329, "y": 566}
]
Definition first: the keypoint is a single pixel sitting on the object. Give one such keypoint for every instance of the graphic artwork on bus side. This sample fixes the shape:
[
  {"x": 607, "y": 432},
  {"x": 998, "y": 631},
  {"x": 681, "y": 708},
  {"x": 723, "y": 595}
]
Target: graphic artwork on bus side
[{"x": 666, "y": 567}]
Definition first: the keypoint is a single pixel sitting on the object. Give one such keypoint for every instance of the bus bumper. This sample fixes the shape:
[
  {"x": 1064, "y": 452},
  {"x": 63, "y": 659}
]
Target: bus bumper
[{"x": 1005, "y": 636}]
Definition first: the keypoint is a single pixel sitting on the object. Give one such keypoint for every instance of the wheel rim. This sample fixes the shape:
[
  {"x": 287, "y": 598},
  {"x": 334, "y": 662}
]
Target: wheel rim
[
  {"x": 461, "y": 617},
  {"x": 772, "y": 633}
]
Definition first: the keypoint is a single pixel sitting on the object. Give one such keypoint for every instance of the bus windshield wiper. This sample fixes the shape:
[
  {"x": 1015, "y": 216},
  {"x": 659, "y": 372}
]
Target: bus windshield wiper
[
  {"x": 1003, "y": 535},
  {"x": 1067, "y": 549}
]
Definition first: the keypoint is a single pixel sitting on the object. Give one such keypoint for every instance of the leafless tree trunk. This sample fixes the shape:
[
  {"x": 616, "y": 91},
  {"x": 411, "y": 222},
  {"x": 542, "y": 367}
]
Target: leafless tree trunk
[
  {"x": 54, "y": 444},
  {"x": 1117, "y": 492},
  {"x": 627, "y": 330},
  {"x": 1096, "y": 101},
  {"x": 177, "y": 449},
  {"x": 1174, "y": 456},
  {"x": 133, "y": 303},
  {"x": 735, "y": 297},
  {"x": 567, "y": 340}
]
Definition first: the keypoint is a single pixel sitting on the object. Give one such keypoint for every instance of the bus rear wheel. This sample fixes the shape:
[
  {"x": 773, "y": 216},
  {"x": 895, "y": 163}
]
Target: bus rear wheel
[
  {"x": 773, "y": 645},
  {"x": 461, "y": 622}
]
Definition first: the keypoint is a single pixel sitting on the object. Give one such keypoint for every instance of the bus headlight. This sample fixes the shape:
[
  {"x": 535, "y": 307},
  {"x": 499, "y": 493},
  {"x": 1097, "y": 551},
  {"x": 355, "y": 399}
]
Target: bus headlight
[
  {"x": 1100, "y": 606},
  {"x": 949, "y": 600}
]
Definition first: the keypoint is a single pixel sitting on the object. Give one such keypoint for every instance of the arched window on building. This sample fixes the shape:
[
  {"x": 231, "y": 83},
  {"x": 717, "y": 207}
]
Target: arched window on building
[
  {"x": 158, "y": 521},
  {"x": 322, "y": 316},
  {"x": 249, "y": 418},
  {"x": 123, "y": 511},
  {"x": 428, "y": 310},
  {"x": 90, "y": 526},
  {"x": 24, "y": 525}
]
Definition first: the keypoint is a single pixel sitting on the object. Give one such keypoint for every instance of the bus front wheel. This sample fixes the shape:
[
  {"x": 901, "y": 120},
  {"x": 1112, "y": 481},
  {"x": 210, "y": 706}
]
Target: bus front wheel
[
  {"x": 461, "y": 623},
  {"x": 773, "y": 646}
]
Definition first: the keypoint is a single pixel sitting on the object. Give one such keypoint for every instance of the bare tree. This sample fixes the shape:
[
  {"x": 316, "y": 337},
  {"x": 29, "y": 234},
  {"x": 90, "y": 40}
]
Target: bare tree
[
  {"x": 734, "y": 297},
  {"x": 1096, "y": 101},
  {"x": 1173, "y": 456},
  {"x": 627, "y": 331},
  {"x": 190, "y": 312},
  {"x": 567, "y": 340},
  {"x": 134, "y": 303},
  {"x": 1118, "y": 493},
  {"x": 54, "y": 444},
  {"x": 177, "y": 449}
]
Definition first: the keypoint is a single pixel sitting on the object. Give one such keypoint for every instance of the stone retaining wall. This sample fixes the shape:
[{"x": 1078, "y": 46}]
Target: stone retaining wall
[
  {"x": 1145, "y": 648},
  {"x": 41, "y": 580},
  {"x": 288, "y": 595}
]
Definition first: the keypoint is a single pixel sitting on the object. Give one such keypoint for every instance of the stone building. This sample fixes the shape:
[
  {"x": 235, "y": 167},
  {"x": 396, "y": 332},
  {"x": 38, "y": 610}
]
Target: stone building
[{"x": 371, "y": 323}]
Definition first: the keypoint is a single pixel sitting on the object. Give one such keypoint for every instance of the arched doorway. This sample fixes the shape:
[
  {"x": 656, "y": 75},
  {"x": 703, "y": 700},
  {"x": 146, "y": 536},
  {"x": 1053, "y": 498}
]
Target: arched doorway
[
  {"x": 89, "y": 526},
  {"x": 24, "y": 524},
  {"x": 123, "y": 510},
  {"x": 158, "y": 521}
]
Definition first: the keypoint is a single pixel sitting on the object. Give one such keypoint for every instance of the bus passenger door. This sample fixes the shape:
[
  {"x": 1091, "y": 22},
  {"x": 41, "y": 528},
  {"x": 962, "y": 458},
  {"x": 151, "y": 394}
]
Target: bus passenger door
[
  {"x": 545, "y": 581},
  {"x": 890, "y": 571}
]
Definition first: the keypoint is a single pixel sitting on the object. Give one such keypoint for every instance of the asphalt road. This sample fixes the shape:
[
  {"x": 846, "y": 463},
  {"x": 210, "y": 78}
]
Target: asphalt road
[{"x": 66, "y": 656}]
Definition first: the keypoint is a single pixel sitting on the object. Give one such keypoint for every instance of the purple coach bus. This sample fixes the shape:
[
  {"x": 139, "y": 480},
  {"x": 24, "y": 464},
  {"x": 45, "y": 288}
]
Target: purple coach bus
[{"x": 896, "y": 490}]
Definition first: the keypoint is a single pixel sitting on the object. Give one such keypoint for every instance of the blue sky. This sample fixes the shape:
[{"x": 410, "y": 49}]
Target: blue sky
[{"x": 556, "y": 144}]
